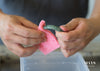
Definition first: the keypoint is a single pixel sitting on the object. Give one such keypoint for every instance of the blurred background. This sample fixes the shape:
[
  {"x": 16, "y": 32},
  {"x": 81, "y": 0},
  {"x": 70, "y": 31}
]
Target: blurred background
[{"x": 10, "y": 62}]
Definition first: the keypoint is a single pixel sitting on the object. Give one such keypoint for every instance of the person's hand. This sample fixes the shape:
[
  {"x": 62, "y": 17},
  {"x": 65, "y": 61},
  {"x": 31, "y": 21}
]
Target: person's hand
[
  {"x": 77, "y": 34},
  {"x": 16, "y": 31}
]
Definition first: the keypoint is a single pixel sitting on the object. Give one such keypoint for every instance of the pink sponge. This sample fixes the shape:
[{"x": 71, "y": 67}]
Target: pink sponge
[{"x": 51, "y": 42}]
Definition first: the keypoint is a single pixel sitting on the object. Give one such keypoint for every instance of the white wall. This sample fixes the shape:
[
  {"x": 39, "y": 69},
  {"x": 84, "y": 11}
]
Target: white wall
[{"x": 91, "y": 5}]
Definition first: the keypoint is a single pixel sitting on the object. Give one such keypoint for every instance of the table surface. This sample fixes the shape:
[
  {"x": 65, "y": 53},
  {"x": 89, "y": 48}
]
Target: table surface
[{"x": 12, "y": 66}]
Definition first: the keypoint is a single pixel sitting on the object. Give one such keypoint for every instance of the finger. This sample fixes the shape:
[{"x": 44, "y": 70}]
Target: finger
[
  {"x": 28, "y": 51},
  {"x": 20, "y": 50},
  {"x": 70, "y": 52},
  {"x": 62, "y": 35},
  {"x": 64, "y": 52},
  {"x": 68, "y": 36},
  {"x": 28, "y": 23},
  {"x": 73, "y": 51},
  {"x": 70, "y": 26},
  {"x": 73, "y": 44},
  {"x": 23, "y": 52},
  {"x": 25, "y": 41},
  {"x": 63, "y": 44},
  {"x": 69, "y": 45},
  {"x": 26, "y": 32},
  {"x": 12, "y": 47}
]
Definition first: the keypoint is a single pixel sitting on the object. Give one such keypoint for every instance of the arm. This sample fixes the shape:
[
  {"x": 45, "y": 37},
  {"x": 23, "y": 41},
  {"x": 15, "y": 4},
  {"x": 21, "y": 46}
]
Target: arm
[
  {"x": 95, "y": 16},
  {"x": 79, "y": 32},
  {"x": 16, "y": 31}
]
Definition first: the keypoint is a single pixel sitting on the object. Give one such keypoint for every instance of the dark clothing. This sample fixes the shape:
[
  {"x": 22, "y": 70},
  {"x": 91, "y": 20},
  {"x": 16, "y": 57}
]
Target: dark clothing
[
  {"x": 53, "y": 11},
  {"x": 56, "y": 12}
]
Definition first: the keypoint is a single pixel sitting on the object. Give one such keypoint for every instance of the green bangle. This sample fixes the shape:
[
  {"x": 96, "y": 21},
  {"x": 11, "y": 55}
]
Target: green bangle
[{"x": 52, "y": 27}]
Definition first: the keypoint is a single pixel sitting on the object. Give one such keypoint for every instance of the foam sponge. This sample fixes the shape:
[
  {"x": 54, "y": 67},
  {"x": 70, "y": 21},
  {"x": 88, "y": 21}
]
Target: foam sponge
[{"x": 51, "y": 42}]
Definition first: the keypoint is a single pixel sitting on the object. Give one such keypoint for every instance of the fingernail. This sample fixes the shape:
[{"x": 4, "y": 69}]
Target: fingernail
[{"x": 64, "y": 28}]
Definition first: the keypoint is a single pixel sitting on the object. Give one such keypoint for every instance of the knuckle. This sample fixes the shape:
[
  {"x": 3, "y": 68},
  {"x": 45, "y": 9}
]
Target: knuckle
[
  {"x": 67, "y": 38},
  {"x": 9, "y": 28}
]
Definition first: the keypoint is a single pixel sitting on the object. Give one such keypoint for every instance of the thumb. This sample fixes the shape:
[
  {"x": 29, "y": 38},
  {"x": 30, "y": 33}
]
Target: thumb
[{"x": 69, "y": 26}]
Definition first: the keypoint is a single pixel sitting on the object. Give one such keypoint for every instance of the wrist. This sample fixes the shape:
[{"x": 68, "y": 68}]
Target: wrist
[{"x": 95, "y": 21}]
